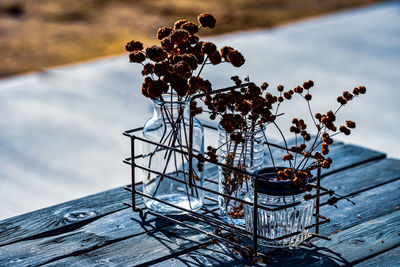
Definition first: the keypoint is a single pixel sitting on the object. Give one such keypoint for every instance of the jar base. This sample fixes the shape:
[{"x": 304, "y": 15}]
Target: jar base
[{"x": 183, "y": 201}]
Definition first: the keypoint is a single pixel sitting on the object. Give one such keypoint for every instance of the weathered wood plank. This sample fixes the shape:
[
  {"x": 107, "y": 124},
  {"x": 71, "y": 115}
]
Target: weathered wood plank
[
  {"x": 388, "y": 259},
  {"x": 346, "y": 248},
  {"x": 79, "y": 236},
  {"x": 63, "y": 217},
  {"x": 344, "y": 216}
]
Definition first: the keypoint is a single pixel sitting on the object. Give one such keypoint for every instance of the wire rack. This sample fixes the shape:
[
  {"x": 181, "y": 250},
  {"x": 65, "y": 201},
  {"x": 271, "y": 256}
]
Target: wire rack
[{"x": 208, "y": 214}]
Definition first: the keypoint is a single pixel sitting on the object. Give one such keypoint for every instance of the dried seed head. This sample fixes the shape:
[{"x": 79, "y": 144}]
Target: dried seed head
[
  {"x": 206, "y": 20},
  {"x": 362, "y": 89},
  {"x": 308, "y": 97},
  {"x": 235, "y": 58},
  {"x": 156, "y": 53},
  {"x": 179, "y": 36},
  {"x": 215, "y": 58},
  {"x": 137, "y": 57},
  {"x": 133, "y": 46},
  {"x": 191, "y": 27},
  {"x": 351, "y": 124},
  {"x": 280, "y": 88},
  {"x": 209, "y": 48},
  {"x": 179, "y": 23},
  {"x": 148, "y": 69},
  {"x": 264, "y": 86},
  {"x": 163, "y": 32},
  {"x": 308, "y": 85},
  {"x": 225, "y": 50}
]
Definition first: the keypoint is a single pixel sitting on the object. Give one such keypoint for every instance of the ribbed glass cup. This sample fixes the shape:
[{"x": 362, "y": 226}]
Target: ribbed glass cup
[
  {"x": 247, "y": 156},
  {"x": 275, "y": 224}
]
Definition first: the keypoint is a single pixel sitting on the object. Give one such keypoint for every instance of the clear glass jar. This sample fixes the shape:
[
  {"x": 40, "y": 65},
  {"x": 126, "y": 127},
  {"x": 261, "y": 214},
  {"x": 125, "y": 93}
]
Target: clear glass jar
[
  {"x": 275, "y": 224},
  {"x": 247, "y": 156},
  {"x": 170, "y": 126}
]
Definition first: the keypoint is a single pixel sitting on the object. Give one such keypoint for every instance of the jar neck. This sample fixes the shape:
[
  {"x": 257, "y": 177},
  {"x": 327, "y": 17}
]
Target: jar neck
[{"x": 171, "y": 108}]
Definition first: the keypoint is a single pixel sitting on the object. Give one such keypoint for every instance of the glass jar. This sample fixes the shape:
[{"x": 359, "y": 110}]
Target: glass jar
[
  {"x": 247, "y": 156},
  {"x": 274, "y": 224},
  {"x": 170, "y": 126}
]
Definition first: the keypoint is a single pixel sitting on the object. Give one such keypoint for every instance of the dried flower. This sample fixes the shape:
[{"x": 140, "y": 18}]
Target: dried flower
[
  {"x": 191, "y": 27},
  {"x": 225, "y": 51},
  {"x": 209, "y": 48},
  {"x": 362, "y": 89},
  {"x": 308, "y": 85},
  {"x": 341, "y": 100},
  {"x": 235, "y": 58},
  {"x": 298, "y": 89},
  {"x": 348, "y": 96},
  {"x": 287, "y": 157},
  {"x": 308, "y": 97},
  {"x": 163, "y": 32},
  {"x": 264, "y": 86},
  {"x": 351, "y": 124},
  {"x": 280, "y": 88},
  {"x": 156, "y": 53},
  {"x": 148, "y": 69},
  {"x": 183, "y": 69},
  {"x": 179, "y": 36},
  {"x": 134, "y": 46},
  {"x": 137, "y": 57},
  {"x": 161, "y": 68},
  {"x": 179, "y": 23},
  {"x": 206, "y": 20},
  {"x": 215, "y": 58}
]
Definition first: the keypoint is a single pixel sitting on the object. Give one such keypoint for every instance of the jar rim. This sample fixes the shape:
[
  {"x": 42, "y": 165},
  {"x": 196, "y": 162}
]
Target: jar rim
[
  {"x": 171, "y": 99},
  {"x": 275, "y": 187}
]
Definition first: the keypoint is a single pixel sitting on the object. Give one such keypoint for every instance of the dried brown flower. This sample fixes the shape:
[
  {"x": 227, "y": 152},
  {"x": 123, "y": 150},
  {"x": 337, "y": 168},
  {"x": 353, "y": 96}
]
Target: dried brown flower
[
  {"x": 179, "y": 84},
  {"x": 280, "y": 99},
  {"x": 161, "y": 68},
  {"x": 362, "y": 89},
  {"x": 183, "y": 69},
  {"x": 308, "y": 97},
  {"x": 280, "y": 88},
  {"x": 206, "y": 20},
  {"x": 264, "y": 86},
  {"x": 179, "y": 23},
  {"x": 163, "y": 32},
  {"x": 166, "y": 44},
  {"x": 225, "y": 51},
  {"x": 235, "y": 58},
  {"x": 351, "y": 124},
  {"x": 179, "y": 36},
  {"x": 134, "y": 46},
  {"x": 215, "y": 58},
  {"x": 298, "y": 89},
  {"x": 348, "y": 96},
  {"x": 156, "y": 53},
  {"x": 209, "y": 48},
  {"x": 356, "y": 91},
  {"x": 308, "y": 85},
  {"x": 191, "y": 27},
  {"x": 341, "y": 100},
  {"x": 191, "y": 60},
  {"x": 287, "y": 95},
  {"x": 137, "y": 57},
  {"x": 148, "y": 69},
  {"x": 288, "y": 156}
]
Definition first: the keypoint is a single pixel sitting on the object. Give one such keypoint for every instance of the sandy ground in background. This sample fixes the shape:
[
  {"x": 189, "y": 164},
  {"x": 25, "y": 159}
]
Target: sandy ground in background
[{"x": 40, "y": 33}]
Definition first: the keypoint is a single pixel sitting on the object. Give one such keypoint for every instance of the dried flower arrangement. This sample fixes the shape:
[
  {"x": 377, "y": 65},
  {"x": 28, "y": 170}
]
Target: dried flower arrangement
[
  {"x": 180, "y": 54},
  {"x": 170, "y": 81},
  {"x": 252, "y": 108}
]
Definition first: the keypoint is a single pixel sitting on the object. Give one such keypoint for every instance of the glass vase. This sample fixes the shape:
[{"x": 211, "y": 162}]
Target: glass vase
[
  {"x": 170, "y": 126},
  {"x": 247, "y": 156},
  {"x": 275, "y": 224}
]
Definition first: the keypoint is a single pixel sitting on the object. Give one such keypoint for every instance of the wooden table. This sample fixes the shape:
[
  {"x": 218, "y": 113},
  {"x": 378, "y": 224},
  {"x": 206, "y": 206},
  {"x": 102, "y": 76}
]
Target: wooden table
[{"x": 101, "y": 230}]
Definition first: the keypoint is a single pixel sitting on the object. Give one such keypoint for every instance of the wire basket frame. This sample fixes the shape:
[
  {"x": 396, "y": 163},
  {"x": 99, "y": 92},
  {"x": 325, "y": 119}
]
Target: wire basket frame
[{"x": 209, "y": 216}]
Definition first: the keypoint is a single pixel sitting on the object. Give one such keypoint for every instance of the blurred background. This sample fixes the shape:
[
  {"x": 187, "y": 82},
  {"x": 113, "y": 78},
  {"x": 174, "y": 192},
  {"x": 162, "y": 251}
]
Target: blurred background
[
  {"x": 36, "y": 34},
  {"x": 61, "y": 124}
]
